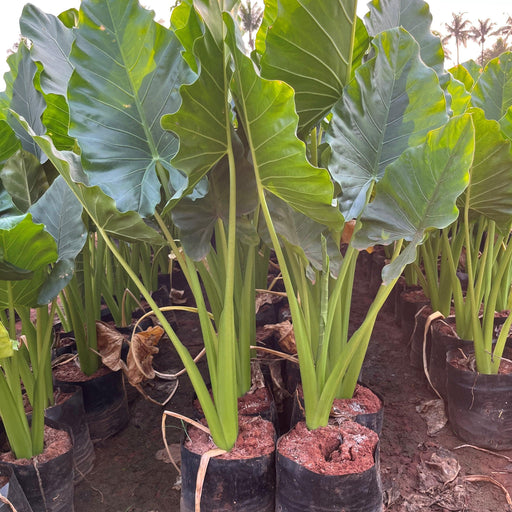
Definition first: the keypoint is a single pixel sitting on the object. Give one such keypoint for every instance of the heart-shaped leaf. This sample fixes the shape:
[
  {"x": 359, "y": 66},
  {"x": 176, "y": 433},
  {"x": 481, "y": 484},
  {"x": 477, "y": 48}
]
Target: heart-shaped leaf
[
  {"x": 418, "y": 192},
  {"x": 27, "y": 246},
  {"x": 309, "y": 46},
  {"x": 267, "y": 111},
  {"x": 414, "y": 16},
  {"x": 392, "y": 103},
  {"x": 490, "y": 187},
  {"x": 101, "y": 208},
  {"x": 24, "y": 179},
  {"x": 493, "y": 90},
  {"x": 128, "y": 69}
]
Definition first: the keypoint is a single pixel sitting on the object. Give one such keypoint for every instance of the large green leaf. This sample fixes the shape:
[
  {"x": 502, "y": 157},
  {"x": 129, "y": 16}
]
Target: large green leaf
[
  {"x": 61, "y": 212},
  {"x": 28, "y": 102},
  {"x": 7, "y": 207},
  {"x": 493, "y": 90},
  {"x": 391, "y": 104},
  {"x": 10, "y": 272},
  {"x": 419, "y": 191},
  {"x": 310, "y": 46},
  {"x": 28, "y": 246},
  {"x": 101, "y": 208},
  {"x": 24, "y": 178},
  {"x": 127, "y": 73},
  {"x": 187, "y": 28},
  {"x": 506, "y": 124},
  {"x": 203, "y": 122},
  {"x": 51, "y": 46},
  {"x": 414, "y": 16},
  {"x": 460, "y": 97},
  {"x": 490, "y": 187},
  {"x": 461, "y": 74},
  {"x": 269, "y": 16},
  {"x": 267, "y": 112}
]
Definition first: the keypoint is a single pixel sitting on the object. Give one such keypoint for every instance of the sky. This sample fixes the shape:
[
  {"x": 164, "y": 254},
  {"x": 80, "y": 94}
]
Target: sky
[{"x": 496, "y": 10}]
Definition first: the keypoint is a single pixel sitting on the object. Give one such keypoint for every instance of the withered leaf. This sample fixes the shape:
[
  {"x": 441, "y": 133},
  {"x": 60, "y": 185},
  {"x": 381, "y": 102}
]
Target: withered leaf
[
  {"x": 140, "y": 356},
  {"x": 285, "y": 336},
  {"x": 263, "y": 298},
  {"x": 110, "y": 342}
]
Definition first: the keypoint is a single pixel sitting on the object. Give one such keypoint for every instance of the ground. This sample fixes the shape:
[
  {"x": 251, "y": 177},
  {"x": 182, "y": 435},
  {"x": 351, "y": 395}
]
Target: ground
[{"x": 420, "y": 472}]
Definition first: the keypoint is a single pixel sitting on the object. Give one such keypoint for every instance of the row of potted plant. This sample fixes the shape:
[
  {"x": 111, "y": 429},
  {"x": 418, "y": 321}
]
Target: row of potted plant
[
  {"x": 465, "y": 268},
  {"x": 332, "y": 130}
]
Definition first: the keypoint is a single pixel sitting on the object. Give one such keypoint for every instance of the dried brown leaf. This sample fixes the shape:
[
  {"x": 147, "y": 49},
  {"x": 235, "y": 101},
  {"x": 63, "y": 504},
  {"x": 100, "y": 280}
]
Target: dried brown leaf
[
  {"x": 140, "y": 356},
  {"x": 263, "y": 298},
  {"x": 285, "y": 336},
  {"x": 110, "y": 342},
  {"x": 434, "y": 414}
]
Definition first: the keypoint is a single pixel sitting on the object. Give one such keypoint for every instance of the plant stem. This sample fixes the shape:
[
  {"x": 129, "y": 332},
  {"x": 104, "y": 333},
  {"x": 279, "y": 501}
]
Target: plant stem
[{"x": 482, "y": 360}]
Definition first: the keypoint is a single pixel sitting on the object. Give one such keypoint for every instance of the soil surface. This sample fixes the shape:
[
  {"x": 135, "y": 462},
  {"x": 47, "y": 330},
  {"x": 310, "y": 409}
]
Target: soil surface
[
  {"x": 56, "y": 442},
  {"x": 342, "y": 449},
  {"x": 424, "y": 467},
  {"x": 256, "y": 437}
]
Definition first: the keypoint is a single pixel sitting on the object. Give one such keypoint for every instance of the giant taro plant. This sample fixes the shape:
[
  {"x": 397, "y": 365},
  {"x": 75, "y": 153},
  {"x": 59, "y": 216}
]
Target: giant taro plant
[
  {"x": 391, "y": 151},
  {"x": 482, "y": 231},
  {"x": 160, "y": 114}
]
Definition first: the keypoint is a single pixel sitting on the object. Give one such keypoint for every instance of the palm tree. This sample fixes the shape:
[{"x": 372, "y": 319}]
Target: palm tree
[
  {"x": 499, "y": 47},
  {"x": 459, "y": 30},
  {"x": 481, "y": 32},
  {"x": 506, "y": 30},
  {"x": 250, "y": 16}
]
